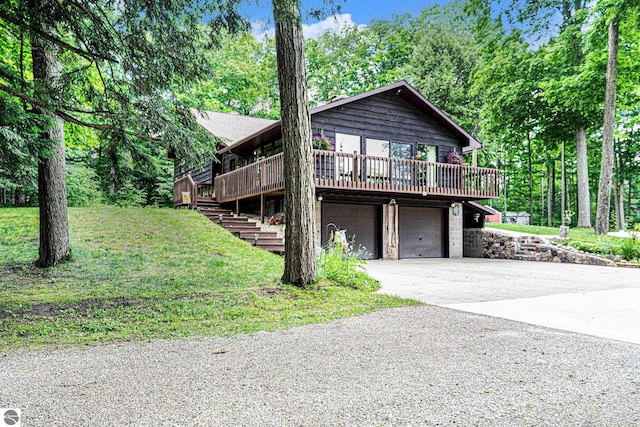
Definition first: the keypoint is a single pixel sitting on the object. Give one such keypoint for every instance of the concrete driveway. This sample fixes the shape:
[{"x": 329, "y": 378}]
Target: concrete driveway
[{"x": 600, "y": 301}]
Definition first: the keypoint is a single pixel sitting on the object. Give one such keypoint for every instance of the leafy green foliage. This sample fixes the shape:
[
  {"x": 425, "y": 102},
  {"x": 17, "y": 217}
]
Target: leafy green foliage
[
  {"x": 630, "y": 249},
  {"x": 20, "y": 146},
  {"x": 340, "y": 263},
  {"x": 82, "y": 186},
  {"x": 141, "y": 273},
  {"x": 243, "y": 78}
]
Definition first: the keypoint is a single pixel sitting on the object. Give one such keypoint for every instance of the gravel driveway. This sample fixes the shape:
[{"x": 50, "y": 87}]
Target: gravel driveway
[{"x": 412, "y": 366}]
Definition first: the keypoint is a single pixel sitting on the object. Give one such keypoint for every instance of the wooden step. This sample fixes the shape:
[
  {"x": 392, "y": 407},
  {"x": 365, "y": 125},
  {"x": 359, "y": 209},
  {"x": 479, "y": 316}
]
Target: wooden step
[
  {"x": 207, "y": 209},
  {"x": 273, "y": 248},
  {"x": 264, "y": 241},
  {"x": 236, "y": 220},
  {"x": 217, "y": 214},
  {"x": 250, "y": 235},
  {"x": 241, "y": 226},
  {"x": 206, "y": 204},
  {"x": 237, "y": 229}
]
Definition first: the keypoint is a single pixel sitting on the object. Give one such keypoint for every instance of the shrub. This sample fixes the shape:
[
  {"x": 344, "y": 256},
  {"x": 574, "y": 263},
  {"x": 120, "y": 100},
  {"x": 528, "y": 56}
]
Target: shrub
[
  {"x": 340, "y": 264},
  {"x": 629, "y": 249}
]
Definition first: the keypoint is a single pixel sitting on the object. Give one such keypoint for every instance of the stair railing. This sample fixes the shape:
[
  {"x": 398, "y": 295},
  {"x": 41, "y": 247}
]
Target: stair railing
[{"x": 185, "y": 192}]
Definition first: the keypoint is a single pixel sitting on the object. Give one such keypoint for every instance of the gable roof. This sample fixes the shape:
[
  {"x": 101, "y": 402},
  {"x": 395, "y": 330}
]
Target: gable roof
[
  {"x": 230, "y": 127},
  {"x": 402, "y": 89}
]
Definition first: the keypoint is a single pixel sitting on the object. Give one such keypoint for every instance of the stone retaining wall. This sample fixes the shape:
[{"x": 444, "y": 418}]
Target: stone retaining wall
[{"x": 483, "y": 243}]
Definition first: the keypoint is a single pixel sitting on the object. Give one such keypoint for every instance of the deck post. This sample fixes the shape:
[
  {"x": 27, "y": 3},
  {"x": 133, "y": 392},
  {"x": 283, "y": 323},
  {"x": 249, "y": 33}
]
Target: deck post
[
  {"x": 356, "y": 175},
  {"x": 237, "y": 206},
  {"x": 261, "y": 207}
]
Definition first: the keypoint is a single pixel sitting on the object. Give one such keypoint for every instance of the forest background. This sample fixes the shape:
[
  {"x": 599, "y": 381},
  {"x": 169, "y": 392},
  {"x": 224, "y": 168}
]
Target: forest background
[{"x": 527, "y": 79}]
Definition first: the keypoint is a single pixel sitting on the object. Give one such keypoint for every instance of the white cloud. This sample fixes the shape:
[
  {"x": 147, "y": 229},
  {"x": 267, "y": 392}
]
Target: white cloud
[{"x": 335, "y": 23}]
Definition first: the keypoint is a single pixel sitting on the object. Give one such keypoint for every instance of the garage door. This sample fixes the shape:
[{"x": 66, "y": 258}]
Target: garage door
[
  {"x": 360, "y": 222},
  {"x": 421, "y": 232}
]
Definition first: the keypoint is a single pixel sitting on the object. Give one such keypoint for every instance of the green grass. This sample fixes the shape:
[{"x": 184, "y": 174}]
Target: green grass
[
  {"x": 583, "y": 239},
  {"x": 141, "y": 273}
]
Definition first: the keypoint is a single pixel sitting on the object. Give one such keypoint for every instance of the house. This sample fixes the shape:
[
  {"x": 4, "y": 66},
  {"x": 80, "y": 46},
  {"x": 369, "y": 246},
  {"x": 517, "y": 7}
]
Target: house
[
  {"x": 390, "y": 183},
  {"x": 522, "y": 218},
  {"x": 494, "y": 215}
]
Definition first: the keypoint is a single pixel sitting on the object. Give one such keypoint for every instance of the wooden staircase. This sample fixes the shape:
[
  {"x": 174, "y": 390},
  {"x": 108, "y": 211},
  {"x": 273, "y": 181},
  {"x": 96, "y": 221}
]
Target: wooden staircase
[{"x": 241, "y": 226}]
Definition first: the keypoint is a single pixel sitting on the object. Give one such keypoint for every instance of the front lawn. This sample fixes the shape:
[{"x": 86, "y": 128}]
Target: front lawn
[{"x": 142, "y": 273}]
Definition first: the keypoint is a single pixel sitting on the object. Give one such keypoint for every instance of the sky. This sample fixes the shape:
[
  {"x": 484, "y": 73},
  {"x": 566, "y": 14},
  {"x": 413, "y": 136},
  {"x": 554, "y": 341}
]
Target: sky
[{"x": 353, "y": 12}]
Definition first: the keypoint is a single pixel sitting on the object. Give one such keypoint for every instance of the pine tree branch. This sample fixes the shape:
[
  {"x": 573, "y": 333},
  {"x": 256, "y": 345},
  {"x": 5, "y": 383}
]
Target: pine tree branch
[
  {"x": 91, "y": 56},
  {"x": 72, "y": 119}
]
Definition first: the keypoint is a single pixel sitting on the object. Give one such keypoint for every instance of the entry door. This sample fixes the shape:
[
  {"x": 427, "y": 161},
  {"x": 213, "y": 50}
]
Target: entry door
[
  {"x": 421, "y": 232},
  {"x": 360, "y": 223}
]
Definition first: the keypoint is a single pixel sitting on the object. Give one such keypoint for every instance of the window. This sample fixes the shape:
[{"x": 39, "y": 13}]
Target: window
[
  {"x": 427, "y": 172},
  {"x": 344, "y": 164},
  {"x": 347, "y": 143},
  {"x": 428, "y": 153},
  {"x": 401, "y": 171},
  {"x": 377, "y": 169},
  {"x": 401, "y": 150}
]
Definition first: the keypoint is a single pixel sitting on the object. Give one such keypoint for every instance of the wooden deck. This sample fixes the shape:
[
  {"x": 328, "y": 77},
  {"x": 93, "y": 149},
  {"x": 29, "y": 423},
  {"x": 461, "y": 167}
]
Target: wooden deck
[{"x": 355, "y": 173}]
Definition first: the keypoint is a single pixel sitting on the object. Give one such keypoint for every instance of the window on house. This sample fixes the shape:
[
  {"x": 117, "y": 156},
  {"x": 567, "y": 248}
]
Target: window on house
[
  {"x": 401, "y": 150},
  {"x": 428, "y": 153},
  {"x": 377, "y": 169},
  {"x": 401, "y": 171},
  {"x": 427, "y": 175},
  {"x": 346, "y": 144}
]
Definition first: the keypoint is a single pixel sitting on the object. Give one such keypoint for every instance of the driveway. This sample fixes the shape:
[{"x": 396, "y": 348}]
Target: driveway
[{"x": 600, "y": 301}]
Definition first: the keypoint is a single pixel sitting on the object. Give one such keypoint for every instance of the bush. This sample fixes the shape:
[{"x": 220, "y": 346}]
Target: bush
[
  {"x": 340, "y": 264},
  {"x": 629, "y": 249}
]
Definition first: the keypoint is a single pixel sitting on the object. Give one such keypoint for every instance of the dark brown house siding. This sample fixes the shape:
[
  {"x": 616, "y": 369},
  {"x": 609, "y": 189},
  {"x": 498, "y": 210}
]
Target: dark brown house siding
[
  {"x": 386, "y": 117},
  {"x": 203, "y": 174}
]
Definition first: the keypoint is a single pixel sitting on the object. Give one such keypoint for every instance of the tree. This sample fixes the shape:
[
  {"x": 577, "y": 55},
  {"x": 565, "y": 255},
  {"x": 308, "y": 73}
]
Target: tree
[
  {"x": 235, "y": 86},
  {"x": 299, "y": 197},
  {"x": 606, "y": 166},
  {"x": 111, "y": 67},
  {"x": 566, "y": 81},
  {"x": 444, "y": 59},
  {"x": 52, "y": 188}
]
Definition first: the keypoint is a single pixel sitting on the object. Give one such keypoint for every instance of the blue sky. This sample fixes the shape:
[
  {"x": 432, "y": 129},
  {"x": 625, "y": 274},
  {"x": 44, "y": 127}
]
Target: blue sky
[{"x": 360, "y": 12}]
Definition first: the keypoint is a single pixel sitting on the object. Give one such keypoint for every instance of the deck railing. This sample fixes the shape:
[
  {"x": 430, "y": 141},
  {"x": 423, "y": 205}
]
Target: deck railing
[
  {"x": 343, "y": 171},
  {"x": 257, "y": 178},
  {"x": 187, "y": 186}
]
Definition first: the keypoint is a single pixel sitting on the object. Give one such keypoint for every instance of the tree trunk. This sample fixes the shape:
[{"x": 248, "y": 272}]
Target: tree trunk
[
  {"x": 563, "y": 188},
  {"x": 619, "y": 194},
  {"x": 554, "y": 201},
  {"x": 299, "y": 203},
  {"x": 550, "y": 176},
  {"x": 584, "y": 198},
  {"x": 52, "y": 188},
  {"x": 530, "y": 176},
  {"x": 606, "y": 166}
]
